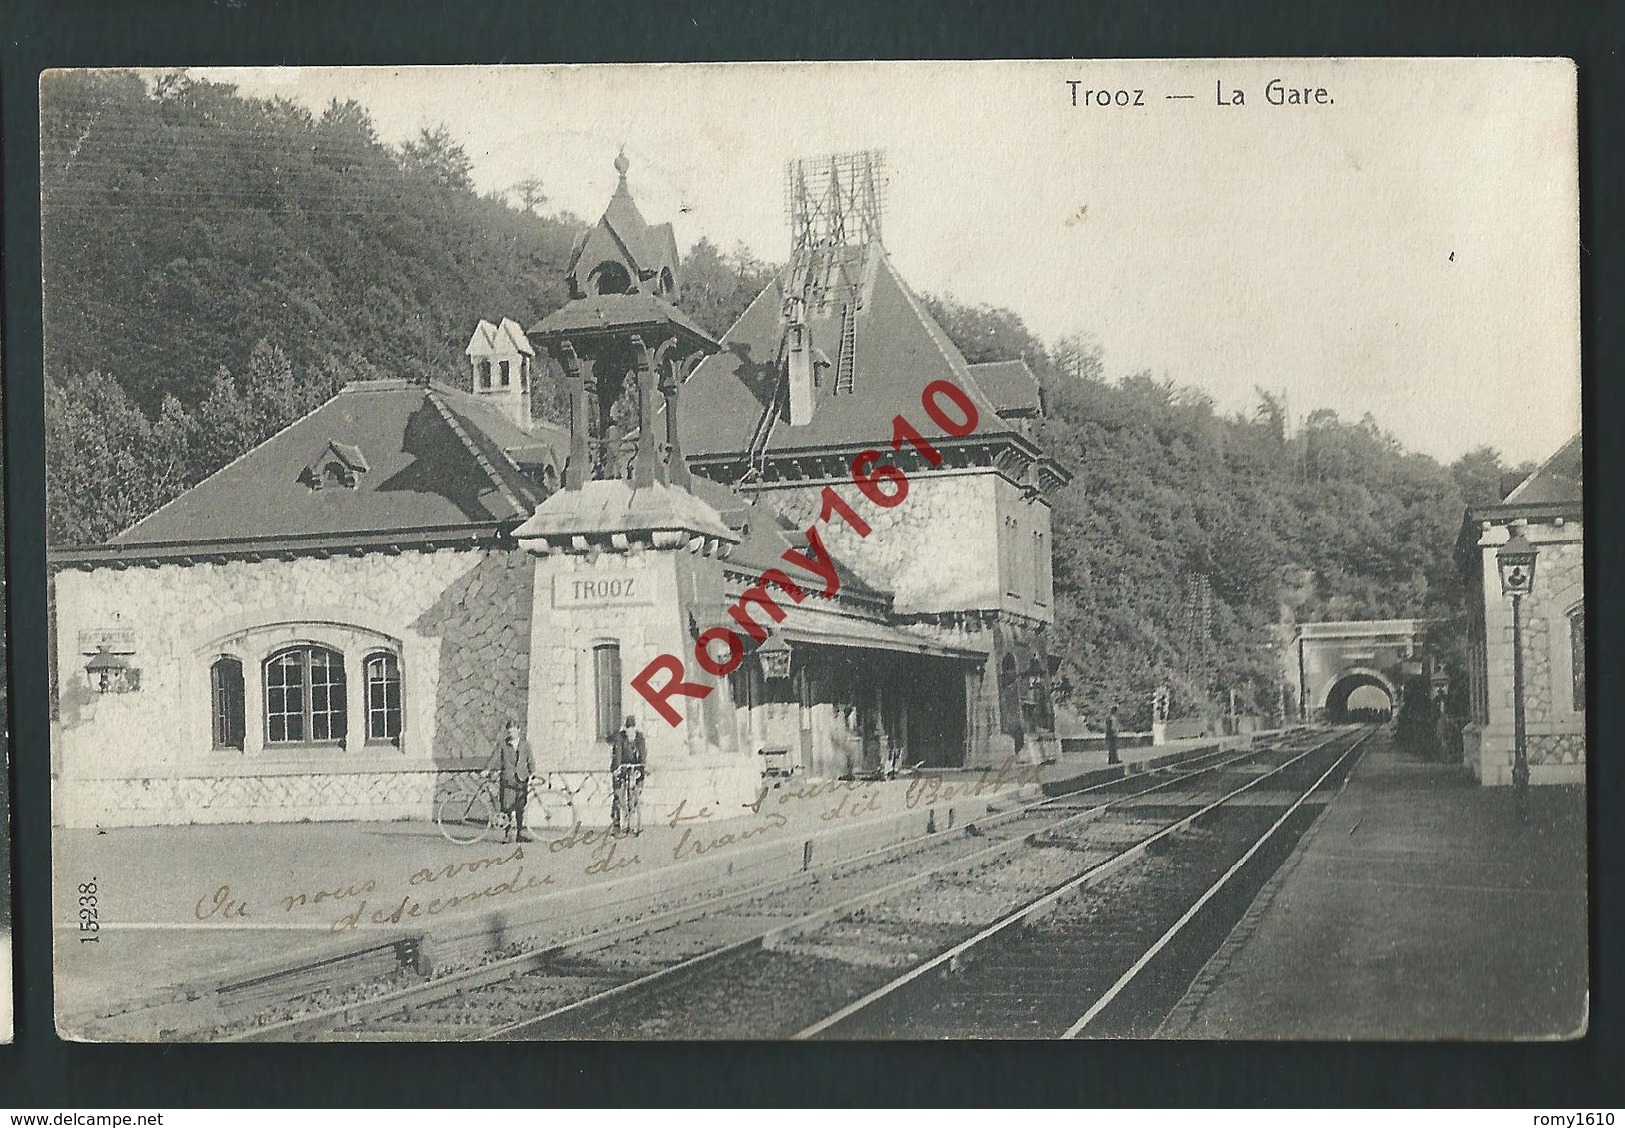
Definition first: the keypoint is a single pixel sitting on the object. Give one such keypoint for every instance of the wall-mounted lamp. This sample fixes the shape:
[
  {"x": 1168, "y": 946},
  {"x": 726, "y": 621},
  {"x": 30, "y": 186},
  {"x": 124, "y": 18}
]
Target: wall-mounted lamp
[{"x": 111, "y": 673}]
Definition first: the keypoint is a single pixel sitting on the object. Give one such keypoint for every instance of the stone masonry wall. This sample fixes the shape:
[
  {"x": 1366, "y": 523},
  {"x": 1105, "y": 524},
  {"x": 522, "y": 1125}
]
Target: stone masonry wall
[
  {"x": 458, "y": 620},
  {"x": 938, "y": 549},
  {"x": 698, "y": 761},
  {"x": 1556, "y": 738}
]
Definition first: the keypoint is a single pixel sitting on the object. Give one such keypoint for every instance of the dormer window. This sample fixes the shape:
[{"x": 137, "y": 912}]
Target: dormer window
[
  {"x": 337, "y": 466},
  {"x": 611, "y": 278}
]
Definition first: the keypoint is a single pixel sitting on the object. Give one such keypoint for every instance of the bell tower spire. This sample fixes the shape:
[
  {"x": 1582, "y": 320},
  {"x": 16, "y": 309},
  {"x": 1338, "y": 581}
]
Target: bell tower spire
[{"x": 625, "y": 351}]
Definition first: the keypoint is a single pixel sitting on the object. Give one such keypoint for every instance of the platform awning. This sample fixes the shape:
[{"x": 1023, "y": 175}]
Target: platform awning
[{"x": 821, "y": 629}]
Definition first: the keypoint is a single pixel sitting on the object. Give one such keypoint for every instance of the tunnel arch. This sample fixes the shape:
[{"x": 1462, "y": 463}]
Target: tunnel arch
[{"x": 1335, "y": 701}]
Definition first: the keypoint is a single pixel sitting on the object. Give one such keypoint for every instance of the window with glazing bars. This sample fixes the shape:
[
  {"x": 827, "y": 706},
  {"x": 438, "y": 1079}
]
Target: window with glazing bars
[
  {"x": 226, "y": 696},
  {"x": 383, "y": 698},
  {"x": 304, "y": 696},
  {"x": 606, "y": 668}
]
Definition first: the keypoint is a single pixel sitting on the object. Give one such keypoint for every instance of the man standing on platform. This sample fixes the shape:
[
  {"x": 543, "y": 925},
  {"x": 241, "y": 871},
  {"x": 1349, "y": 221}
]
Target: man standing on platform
[
  {"x": 627, "y": 754},
  {"x": 513, "y": 766},
  {"x": 1111, "y": 737}
]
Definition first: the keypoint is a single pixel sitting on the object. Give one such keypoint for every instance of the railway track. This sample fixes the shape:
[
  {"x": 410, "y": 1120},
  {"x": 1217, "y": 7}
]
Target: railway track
[
  {"x": 566, "y": 983},
  {"x": 999, "y": 944},
  {"x": 770, "y": 960},
  {"x": 1061, "y": 967},
  {"x": 755, "y": 963}
]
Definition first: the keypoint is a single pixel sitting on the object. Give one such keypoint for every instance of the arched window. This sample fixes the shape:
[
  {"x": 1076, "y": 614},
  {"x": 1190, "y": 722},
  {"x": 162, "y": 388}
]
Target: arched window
[
  {"x": 667, "y": 284},
  {"x": 304, "y": 696},
  {"x": 383, "y": 698},
  {"x": 226, "y": 695},
  {"x": 611, "y": 278}
]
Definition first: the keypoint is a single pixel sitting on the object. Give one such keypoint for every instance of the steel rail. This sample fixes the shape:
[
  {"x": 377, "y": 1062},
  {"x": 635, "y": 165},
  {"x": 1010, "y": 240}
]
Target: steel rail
[
  {"x": 526, "y": 962},
  {"x": 774, "y": 935},
  {"x": 420, "y": 994},
  {"x": 474, "y": 978},
  {"x": 1212, "y": 891},
  {"x": 1040, "y": 906}
]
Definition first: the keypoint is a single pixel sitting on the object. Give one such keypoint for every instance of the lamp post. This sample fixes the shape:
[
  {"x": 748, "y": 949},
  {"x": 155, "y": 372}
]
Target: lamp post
[{"x": 1516, "y": 561}]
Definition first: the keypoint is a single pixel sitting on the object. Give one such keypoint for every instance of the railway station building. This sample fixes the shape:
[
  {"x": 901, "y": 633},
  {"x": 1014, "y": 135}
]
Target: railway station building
[
  {"x": 1547, "y": 510},
  {"x": 333, "y": 624}
]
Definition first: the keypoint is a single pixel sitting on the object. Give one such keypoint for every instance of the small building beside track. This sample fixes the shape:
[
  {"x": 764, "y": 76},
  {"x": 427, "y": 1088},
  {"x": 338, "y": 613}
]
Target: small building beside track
[{"x": 1547, "y": 508}]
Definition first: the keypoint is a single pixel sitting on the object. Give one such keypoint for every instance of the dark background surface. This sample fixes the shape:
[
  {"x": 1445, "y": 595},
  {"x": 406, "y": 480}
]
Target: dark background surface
[{"x": 42, "y": 1071}]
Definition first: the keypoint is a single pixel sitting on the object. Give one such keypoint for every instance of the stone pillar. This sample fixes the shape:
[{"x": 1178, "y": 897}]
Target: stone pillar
[
  {"x": 355, "y": 701},
  {"x": 698, "y": 760},
  {"x": 577, "y": 470},
  {"x": 253, "y": 704},
  {"x": 671, "y": 380},
  {"x": 643, "y": 469}
]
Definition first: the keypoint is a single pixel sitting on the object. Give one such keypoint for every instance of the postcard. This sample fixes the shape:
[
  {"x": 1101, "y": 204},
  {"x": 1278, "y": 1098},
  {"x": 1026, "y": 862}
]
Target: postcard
[{"x": 1032, "y": 549}]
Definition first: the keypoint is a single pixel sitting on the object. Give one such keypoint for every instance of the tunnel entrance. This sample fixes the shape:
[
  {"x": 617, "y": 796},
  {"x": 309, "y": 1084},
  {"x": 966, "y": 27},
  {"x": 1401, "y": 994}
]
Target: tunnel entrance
[{"x": 1360, "y": 697}]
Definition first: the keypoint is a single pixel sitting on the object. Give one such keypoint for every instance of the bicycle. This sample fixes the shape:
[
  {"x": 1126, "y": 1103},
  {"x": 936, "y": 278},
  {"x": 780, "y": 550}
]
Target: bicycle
[
  {"x": 628, "y": 792},
  {"x": 470, "y": 811},
  {"x": 554, "y": 786}
]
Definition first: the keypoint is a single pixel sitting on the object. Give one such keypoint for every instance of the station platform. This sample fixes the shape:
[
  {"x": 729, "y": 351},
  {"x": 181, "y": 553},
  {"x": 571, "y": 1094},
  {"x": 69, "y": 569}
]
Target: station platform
[
  {"x": 196, "y": 903},
  {"x": 1418, "y": 906}
]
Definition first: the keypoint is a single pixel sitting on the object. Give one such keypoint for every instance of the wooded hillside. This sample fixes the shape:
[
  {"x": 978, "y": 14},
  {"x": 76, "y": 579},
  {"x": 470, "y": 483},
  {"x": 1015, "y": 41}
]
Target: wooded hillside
[{"x": 215, "y": 266}]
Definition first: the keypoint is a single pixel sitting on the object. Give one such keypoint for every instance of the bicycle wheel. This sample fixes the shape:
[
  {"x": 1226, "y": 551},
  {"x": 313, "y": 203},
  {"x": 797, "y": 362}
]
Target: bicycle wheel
[
  {"x": 465, "y": 817},
  {"x": 634, "y": 806}
]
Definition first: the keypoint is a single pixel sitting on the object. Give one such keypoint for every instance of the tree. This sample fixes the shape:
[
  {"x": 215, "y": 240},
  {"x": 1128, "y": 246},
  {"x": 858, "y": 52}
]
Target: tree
[
  {"x": 437, "y": 158},
  {"x": 1271, "y": 414},
  {"x": 190, "y": 233},
  {"x": 717, "y": 288},
  {"x": 1078, "y": 357},
  {"x": 1168, "y": 492},
  {"x": 530, "y": 193}
]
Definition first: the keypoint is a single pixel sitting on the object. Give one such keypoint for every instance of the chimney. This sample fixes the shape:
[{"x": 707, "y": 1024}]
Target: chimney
[
  {"x": 502, "y": 365},
  {"x": 798, "y": 361}
]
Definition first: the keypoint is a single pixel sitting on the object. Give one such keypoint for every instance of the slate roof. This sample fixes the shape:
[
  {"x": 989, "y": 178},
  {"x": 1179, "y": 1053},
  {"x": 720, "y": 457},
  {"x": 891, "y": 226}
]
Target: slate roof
[
  {"x": 1555, "y": 489},
  {"x": 900, "y": 350},
  {"x": 485, "y": 335},
  {"x": 437, "y": 457},
  {"x": 1011, "y": 385},
  {"x": 620, "y": 313},
  {"x": 606, "y": 506},
  {"x": 512, "y": 337},
  {"x": 647, "y": 247},
  {"x": 765, "y": 536},
  {"x": 1557, "y": 481}
]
